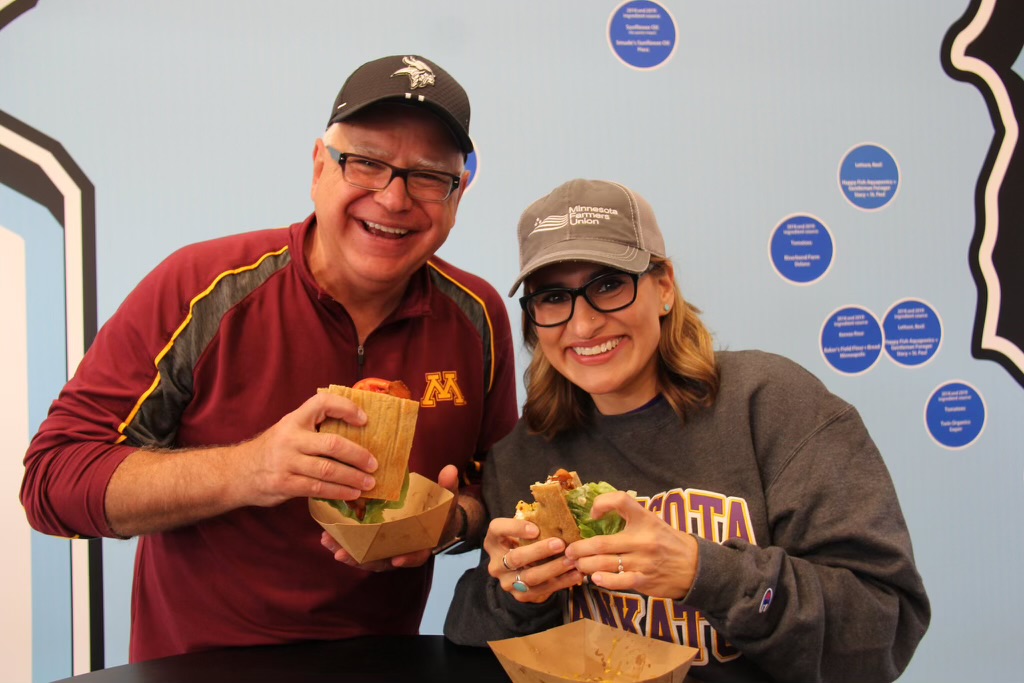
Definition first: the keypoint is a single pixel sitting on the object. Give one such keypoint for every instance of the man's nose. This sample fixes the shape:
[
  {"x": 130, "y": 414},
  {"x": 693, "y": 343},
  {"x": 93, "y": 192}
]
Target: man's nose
[{"x": 395, "y": 195}]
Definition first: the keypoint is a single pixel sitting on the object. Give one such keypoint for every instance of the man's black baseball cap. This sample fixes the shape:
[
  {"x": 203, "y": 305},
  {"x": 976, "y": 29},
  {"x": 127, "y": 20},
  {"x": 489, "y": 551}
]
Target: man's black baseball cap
[{"x": 408, "y": 79}]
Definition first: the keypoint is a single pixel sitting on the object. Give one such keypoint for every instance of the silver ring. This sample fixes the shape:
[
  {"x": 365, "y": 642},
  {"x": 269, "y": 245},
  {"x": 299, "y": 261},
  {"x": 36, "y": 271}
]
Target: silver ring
[
  {"x": 504, "y": 561},
  {"x": 621, "y": 568},
  {"x": 519, "y": 585}
]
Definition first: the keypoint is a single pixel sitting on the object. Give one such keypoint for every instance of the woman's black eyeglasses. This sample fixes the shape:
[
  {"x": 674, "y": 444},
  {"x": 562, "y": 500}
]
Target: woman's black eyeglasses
[{"x": 553, "y": 306}]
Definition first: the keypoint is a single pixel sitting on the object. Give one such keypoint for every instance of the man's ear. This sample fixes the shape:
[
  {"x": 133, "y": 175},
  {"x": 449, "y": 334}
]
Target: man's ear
[
  {"x": 319, "y": 155},
  {"x": 463, "y": 182}
]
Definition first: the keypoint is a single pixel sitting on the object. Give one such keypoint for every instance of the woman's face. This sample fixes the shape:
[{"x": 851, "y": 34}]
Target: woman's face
[{"x": 611, "y": 356}]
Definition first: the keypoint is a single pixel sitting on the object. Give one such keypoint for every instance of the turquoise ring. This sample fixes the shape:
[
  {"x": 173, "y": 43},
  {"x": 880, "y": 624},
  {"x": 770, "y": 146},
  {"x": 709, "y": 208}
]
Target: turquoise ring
[{"x": 519, "y": 585}]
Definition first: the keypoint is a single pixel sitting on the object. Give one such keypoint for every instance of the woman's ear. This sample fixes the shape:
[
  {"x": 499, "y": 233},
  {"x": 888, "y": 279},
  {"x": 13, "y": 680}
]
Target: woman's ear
[{"x": 666, "y": 282}]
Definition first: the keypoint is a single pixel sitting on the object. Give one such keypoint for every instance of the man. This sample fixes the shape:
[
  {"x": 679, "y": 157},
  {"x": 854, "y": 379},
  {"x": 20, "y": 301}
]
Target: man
[{"x": 226, "y": 342}]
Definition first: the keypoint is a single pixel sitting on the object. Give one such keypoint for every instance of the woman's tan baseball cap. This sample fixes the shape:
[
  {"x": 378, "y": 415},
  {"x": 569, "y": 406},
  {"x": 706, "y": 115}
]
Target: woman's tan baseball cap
[{"x": 595, "y": 221}]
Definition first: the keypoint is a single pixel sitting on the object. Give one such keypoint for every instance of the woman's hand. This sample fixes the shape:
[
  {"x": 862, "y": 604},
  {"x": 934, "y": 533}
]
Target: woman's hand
[
  {"x": 531, "y": 572},
  {"x": 648, "y": 556}
]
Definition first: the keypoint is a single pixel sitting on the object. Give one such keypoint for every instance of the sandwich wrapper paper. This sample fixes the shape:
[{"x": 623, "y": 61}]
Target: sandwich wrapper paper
[
  {"x": 586, "y": 650},
  {"x": 417, "y": 525},
  {"x": 388, "y": 434}
]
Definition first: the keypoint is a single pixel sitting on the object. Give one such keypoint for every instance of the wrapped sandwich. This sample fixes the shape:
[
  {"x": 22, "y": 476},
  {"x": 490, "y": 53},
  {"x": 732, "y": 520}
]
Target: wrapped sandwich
[
  {"x": 388, "y": 434},
  {"x": 561, "y": 509}
]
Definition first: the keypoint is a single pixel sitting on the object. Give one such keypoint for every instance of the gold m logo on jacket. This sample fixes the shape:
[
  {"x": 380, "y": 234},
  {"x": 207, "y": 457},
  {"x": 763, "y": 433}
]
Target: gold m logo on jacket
[{"x": 442, "y": 386}]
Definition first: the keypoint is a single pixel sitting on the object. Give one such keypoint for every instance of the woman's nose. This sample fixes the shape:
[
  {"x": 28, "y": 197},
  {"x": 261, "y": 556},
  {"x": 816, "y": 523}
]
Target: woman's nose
[{"x": 585, "y": 318}]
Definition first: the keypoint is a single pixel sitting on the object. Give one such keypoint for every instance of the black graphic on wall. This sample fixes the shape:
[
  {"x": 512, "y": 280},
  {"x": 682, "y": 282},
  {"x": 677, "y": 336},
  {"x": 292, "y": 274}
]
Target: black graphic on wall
[
  {"x": 980, "y": 49},
  {"x": 38, "y": 167}
]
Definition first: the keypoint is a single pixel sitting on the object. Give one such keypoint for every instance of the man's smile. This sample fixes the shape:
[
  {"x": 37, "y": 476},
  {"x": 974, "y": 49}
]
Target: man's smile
[{"x": 385, "y": 231}]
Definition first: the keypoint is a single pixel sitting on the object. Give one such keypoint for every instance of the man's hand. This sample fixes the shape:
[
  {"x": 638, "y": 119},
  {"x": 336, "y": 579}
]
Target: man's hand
[
  {"x": 386, "y": 564},
  {"x": 153, "y": 491},
  {"x": 293, "y": 460}
]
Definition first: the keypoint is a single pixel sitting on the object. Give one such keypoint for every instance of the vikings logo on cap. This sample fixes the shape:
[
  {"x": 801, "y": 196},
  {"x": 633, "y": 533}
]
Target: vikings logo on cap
[{"x": 420, "y": 75}]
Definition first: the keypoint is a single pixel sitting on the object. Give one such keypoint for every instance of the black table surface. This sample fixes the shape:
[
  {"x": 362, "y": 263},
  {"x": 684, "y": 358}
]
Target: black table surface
[{"x": 424, "y": 659}]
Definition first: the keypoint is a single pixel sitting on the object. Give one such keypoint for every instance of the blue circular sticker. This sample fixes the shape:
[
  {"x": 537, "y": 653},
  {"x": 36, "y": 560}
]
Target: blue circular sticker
[
  {"x": 851, "y": 340},
  {"x": 801, "y": 249},
  {"x": 642, "y": 34},
  {"x": 955, "y": 415},
  {"x": 913, "y": 332},
  {"x": 869, "y": 177},
  {"x": 472, "y": 163}
]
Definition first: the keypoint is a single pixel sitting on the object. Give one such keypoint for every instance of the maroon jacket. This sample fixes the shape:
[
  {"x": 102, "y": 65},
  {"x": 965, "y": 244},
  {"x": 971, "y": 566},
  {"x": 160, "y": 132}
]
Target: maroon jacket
[{"x": 214, "y": 346}]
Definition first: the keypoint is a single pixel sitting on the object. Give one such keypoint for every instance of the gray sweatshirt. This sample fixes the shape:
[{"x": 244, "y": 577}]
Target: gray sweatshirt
[{"x": 805, "y": 569}]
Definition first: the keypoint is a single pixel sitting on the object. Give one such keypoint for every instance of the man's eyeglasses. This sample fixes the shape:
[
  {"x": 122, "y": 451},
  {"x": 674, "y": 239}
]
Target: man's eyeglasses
[
  {"x": 376, "y": 175},
  {"x": 553, "y": 306}
]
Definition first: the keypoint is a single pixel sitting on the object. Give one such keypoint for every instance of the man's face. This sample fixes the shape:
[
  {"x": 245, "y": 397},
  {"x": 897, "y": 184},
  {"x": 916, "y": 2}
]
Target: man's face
[{"x": 368, "y": 241}]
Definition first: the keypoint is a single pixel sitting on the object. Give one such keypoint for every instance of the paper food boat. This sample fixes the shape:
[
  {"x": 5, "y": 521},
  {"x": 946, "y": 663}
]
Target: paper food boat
[
  {"x": 586, "y": 650},
  {"x": 417, "y": 525}
]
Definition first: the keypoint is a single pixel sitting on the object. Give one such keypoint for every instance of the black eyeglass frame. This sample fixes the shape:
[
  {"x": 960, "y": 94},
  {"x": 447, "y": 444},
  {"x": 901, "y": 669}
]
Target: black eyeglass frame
[
  {"x": 341, "y": 158},
  {"x": 574, "y": 293}
]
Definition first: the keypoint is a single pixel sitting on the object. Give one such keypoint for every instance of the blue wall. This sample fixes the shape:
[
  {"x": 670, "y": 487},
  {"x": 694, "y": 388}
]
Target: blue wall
[{"x": 197, "y": 119}]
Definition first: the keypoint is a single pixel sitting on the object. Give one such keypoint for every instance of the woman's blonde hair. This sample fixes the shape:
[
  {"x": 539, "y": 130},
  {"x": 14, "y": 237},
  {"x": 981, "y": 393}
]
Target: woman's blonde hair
[{"x": 687, "y": 372}]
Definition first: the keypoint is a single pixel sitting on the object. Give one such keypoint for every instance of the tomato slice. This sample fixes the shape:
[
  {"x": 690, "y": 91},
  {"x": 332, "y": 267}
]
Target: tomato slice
[
  {"x": 563, "y": 477},
  {"x": 383, "y": 386},
  {"x": 379, "y": 386}
]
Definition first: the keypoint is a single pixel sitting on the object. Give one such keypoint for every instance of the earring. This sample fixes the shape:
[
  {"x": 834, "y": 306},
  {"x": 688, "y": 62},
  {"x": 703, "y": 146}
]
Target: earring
[{"x": 668, "y": 307}]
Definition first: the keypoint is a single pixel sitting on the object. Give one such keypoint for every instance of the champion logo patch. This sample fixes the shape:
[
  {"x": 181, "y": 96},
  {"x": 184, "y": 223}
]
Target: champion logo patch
[{"x": 766, "y": 600}]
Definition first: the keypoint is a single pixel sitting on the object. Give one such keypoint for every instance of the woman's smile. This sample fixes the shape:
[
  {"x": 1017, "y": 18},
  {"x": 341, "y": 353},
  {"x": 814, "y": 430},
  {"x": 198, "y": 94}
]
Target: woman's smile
[{"x": 592, "y": 350}]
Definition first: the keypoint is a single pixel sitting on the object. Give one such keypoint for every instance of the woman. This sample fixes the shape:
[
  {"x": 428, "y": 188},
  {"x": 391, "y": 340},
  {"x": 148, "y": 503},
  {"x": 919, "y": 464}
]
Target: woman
[{"x": 765, "y": 530}]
